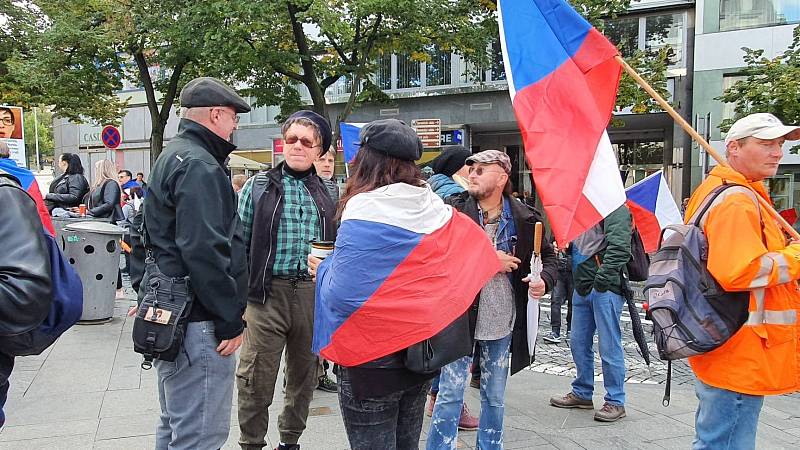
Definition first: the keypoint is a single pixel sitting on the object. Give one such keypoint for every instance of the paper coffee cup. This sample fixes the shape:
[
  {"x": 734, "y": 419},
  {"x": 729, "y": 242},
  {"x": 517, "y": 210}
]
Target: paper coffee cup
[{"x": 321, "y": 249}]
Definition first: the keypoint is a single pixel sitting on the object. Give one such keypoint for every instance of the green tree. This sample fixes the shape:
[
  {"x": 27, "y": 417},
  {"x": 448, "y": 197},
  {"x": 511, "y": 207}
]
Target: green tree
[
  {"x": 43, "y": 123},
  {"x": 82, "y": 53},
  {"x": 770, "y": 85}
]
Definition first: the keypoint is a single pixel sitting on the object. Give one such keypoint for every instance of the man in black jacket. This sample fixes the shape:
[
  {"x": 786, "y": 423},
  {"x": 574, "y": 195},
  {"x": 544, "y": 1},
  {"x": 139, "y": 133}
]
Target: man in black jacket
[
  {"x": 25, "y": 289},
  {"x": 193, "y": 229},
  {"x": 283, "y": 211},
  {"x": 498, "y": 316}
]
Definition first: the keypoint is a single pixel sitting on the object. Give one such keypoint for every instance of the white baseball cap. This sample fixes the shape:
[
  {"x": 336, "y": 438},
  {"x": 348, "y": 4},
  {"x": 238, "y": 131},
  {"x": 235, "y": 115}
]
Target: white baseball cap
[{"x": 761, "y": 126}]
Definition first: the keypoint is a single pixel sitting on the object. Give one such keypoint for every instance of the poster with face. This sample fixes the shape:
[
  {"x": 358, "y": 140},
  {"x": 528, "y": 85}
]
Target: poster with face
[{"x": 11, "y": 132}]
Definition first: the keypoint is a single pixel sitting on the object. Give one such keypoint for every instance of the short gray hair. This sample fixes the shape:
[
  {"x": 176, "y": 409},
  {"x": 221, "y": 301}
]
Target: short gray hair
[{"x": 5, "y": 152}]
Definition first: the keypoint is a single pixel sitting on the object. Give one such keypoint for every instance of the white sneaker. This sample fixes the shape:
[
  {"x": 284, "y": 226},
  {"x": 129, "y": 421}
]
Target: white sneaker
[{"x": 552, "y": 338}]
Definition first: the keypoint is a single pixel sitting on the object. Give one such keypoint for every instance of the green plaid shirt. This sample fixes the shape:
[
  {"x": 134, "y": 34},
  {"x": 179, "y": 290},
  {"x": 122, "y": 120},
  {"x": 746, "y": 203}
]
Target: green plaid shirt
[
  {"x": 298, "y": 227},
  {"x": 247, "y": 210}
]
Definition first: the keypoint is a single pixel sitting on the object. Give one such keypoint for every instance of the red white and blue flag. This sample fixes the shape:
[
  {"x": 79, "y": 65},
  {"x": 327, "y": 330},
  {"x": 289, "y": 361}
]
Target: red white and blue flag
[
  {"x": 653, "y": 208},
  {"x": 405, "y": 266},
  {"x": 28, "y": 182},
  {"x": 563, "y": 78}
]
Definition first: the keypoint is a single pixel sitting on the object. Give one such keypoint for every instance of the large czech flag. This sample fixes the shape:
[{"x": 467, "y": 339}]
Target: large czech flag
[
  {"x": 350, "y": 133},
  {"x": 652, "y": 208},
  {"x": 563, "y": 78},
  {"x": 28, "y": 182},
  {"x": 404, "y": 267}
]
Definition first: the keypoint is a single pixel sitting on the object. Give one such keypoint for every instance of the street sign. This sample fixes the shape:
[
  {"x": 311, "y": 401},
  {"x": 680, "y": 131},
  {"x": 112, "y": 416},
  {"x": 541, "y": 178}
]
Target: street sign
[
  {"x": 452, "y": 137},
  {"x": 429, "y": 131},
  {"x": 111, "y": 136}
]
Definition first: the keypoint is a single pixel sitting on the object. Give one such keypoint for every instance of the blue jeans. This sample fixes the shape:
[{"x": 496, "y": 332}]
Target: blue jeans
[
  {"x": 598, "y": 311},
  {"x": 196, "y": 393},
  {"x": 725, "y": 420},
  {"x": 452, "y": 383}
]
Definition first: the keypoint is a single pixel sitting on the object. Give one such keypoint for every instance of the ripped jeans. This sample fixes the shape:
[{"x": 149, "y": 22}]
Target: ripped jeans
[{"x": 452, "y": 383}]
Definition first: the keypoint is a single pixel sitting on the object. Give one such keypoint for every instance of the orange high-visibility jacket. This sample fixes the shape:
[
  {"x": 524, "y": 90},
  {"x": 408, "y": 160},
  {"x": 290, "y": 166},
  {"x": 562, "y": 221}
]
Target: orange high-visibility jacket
[{"x": 763, "y": 357}]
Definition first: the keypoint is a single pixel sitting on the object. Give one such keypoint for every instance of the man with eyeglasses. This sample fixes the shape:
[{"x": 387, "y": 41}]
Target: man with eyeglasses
[
  {"x": 283, "y": 210},
  {"x": 193, "y": 230},
  {"x": 497, "y": 317}
]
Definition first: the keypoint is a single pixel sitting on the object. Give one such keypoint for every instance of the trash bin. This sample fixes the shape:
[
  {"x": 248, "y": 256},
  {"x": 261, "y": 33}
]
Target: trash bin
[
  {"x": 60, "y": 222},
  {"x": 93, "y": 249}
]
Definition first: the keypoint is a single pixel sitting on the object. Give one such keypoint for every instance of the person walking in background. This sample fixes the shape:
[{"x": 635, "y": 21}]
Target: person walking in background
[
  {"x": 445, "y": 166},
  {"x": 562, "y": 293},
  {"x": 194, "y": 231},
  {"x": 599, "y": 256},
  {"x": 68, "y": 189},
  {"x": 237, "y": 182},
  {"x": 142, "y": 183}
]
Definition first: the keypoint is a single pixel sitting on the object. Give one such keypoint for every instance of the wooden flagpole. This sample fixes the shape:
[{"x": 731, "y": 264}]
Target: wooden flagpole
[{"x": 699, "y": 139}]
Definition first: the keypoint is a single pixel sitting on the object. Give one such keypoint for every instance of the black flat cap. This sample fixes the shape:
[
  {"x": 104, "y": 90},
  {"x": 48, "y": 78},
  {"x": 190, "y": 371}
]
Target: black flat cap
[
  {"x": 450, "y": 160},
  {"x": 322, "y": 125},
  {"x": 392, "y": 137},
  {"x": 208, "y": 91}
]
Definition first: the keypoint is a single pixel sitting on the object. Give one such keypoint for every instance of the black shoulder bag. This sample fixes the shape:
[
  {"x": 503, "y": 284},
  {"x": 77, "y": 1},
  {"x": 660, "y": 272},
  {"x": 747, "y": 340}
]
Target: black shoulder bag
[
  {"x": 446, "y": 346},
  {"x": 163, "y": 315}
]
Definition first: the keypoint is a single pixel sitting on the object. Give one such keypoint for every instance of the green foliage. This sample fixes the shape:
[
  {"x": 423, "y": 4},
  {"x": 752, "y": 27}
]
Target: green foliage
[
  {"x": 45, "y": 129},
  {"x": 771, "y": 85}
]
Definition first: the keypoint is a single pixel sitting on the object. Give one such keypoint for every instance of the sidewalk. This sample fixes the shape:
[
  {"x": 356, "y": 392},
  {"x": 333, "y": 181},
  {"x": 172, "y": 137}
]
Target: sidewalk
[{"x": 89, "y": 392}]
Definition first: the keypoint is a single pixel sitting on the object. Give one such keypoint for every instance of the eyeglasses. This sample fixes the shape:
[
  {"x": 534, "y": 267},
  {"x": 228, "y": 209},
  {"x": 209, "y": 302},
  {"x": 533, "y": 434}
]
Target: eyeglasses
[
  {"x": 303, "y": 141},
  {"x": 233, "y": 114},
  {"x": 7, "y": 121},
  {"x": 481, "y": 170}
]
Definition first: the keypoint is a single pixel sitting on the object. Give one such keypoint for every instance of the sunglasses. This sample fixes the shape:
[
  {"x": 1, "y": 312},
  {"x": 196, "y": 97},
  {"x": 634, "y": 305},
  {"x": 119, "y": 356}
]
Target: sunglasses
[
  {"x": 481, "y": 170},
  {"x": 303, "y": 141}
]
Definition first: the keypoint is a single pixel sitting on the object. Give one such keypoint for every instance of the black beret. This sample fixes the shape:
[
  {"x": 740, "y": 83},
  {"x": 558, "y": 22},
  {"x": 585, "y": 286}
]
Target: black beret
[
  {"x": 392, "y": 137},
  {"x": 450, "y": 160},
  {"x": 321, "y": 123},
  {"x": 208, "y": 91}
]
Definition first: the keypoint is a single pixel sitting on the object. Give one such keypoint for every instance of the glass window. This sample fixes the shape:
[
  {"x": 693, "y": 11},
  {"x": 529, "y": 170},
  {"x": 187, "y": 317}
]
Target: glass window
[
  {"x": 439, "y": 69},
  {"x": 408, "y": 72},
  {"x": 737, "y": 14},
  {"x": 624, "y": 33},
  {"x": 666, "y": 30},
  {"x": 729, "y": 109},
  {"x": 383, "y": 76}
]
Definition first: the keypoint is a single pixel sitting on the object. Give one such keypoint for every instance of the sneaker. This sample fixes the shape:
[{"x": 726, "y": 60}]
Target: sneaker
[
  {"x": 325, "y": 384},
  {"x": 288, "y": 447},
  {"x": 610, "y": 413},
  {"x": 571, "y": 401},
  {"x": 475, "y": 382},
  {"x": 552, "y": 338},
  {"x": 467, "y": 422},
  {"x": 431, "y": 403}
]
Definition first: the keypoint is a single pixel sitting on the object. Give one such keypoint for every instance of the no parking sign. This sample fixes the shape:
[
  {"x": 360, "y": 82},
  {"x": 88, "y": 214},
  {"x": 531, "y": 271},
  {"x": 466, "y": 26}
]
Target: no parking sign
[{"x": 111, "y": 136}]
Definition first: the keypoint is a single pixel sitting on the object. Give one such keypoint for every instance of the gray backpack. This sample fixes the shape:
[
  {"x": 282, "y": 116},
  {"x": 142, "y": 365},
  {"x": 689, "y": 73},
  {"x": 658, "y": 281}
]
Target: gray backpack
[{"x": 691, "y": 313}]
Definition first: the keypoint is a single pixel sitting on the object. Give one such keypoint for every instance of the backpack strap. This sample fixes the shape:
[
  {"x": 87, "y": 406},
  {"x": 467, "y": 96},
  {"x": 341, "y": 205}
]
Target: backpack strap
[{"x": 699, "y": 215}]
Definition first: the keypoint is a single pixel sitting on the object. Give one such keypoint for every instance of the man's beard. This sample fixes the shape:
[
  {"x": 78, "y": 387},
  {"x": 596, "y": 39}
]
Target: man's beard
[{"x": 478, "y": 195}]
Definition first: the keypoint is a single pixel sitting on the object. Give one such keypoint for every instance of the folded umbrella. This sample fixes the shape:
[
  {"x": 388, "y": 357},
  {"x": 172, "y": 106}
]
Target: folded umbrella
[{"x": 533, "y": 303}]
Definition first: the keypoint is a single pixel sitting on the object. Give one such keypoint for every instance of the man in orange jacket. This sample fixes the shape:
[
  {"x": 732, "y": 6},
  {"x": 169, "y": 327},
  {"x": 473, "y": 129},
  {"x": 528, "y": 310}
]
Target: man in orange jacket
[{"x": 748, "y": 251}]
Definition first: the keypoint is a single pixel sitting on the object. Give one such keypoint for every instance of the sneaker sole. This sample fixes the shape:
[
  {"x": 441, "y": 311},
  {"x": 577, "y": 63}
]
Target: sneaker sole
[
  {"x": 571, "y": 406},
  {"x": 467, "y": 429},
  {"x": 551, "y": 341},
  {"x": 608, "y": 419}
]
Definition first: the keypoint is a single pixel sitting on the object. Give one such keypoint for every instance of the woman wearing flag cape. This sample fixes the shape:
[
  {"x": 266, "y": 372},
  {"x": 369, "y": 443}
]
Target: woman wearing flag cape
[{"x": 404, "y": 267}]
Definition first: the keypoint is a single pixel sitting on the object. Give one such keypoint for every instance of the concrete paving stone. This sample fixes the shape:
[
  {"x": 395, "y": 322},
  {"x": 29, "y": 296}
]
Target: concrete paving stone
[
  {"x": 562, "y": 441},
  {"x": 48, "y": 430},
  {"x": 129, "y": 443},
  {"x": 57, "y": 407},
  {"x": 123, "y": 403},
  {"x": 72, "y": 377},
  {"x": 83, "y": 441},
  {"x": 132, "y": 425},
  {"x": 794, "y": 431}
]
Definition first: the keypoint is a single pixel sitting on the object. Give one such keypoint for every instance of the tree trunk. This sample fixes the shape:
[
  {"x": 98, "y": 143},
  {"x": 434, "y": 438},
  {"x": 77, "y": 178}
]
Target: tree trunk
[{"x": 156, "y": 141}]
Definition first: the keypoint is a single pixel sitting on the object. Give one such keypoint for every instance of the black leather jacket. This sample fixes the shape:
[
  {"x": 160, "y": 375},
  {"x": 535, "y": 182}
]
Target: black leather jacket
[
  {"x": 104, "y": 201},
  {"x": 67, "y": 191},
  {"x": 25, "y": 283}
]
